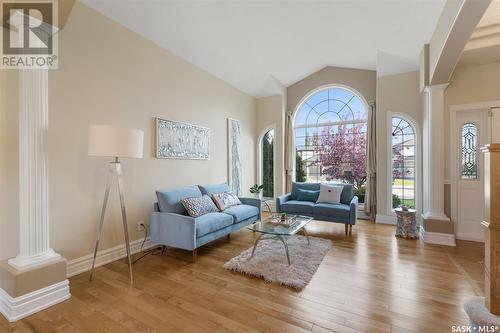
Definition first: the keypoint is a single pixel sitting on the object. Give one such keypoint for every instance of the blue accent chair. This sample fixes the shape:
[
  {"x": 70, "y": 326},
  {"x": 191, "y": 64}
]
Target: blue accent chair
[
  {"x": 345, "y": 212},
  {"x": 171, "y": 225}
]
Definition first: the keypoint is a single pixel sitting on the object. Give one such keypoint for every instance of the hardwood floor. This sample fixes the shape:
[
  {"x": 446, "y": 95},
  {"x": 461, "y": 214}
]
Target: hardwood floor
[{"x": 370, "y": 281}]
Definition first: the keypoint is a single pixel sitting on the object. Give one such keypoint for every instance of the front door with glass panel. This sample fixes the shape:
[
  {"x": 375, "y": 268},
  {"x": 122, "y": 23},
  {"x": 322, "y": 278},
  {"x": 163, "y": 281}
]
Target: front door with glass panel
[{"x": 470, "y": 137}]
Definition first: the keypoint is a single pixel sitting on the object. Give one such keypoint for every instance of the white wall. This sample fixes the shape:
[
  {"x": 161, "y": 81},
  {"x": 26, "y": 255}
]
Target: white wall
[
  {"x": 364, "y": 81},
  {"x": 110, "y": 75},
  {"x": 395, "y": 94}
]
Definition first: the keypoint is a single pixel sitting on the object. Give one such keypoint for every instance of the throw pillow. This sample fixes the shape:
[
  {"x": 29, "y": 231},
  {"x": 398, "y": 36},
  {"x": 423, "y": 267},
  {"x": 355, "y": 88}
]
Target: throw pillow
[
  {"x": 329, "y": 193},
  {"x": 307, "y": 195},
  {"x": 199, "y": 206},
  {"x": 225, "y": 200}
]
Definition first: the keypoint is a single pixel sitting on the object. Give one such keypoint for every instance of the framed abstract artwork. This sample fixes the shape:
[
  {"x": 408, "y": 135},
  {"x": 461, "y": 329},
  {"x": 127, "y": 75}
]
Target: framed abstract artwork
[
  {"x": 234, "y": 155},
  {"x": 180, "y": 140}
]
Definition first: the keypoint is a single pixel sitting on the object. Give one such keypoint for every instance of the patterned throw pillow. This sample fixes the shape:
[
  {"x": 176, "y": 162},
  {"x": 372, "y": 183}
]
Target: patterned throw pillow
[
  {"x": 199, "y": 206},
  {"x": 225, "y": 200}
]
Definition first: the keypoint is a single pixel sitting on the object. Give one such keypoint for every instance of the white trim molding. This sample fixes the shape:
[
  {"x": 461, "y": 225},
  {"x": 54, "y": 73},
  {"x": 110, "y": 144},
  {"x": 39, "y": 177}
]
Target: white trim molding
[
  {"x": 385, "y": 219},
  {"x": 16, "y": 308},
  {"x": 471, "y": 239},
  {"x": 437, "y": 238},
  {"x": 474, "y": 106},
  {"x": 84, "y": 264},
  {"x": 392, "y": 219}
]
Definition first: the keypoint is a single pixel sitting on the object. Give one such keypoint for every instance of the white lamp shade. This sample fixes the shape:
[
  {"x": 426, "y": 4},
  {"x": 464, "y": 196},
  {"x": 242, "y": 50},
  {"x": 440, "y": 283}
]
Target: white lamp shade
[{"x": 115, "y": 141}]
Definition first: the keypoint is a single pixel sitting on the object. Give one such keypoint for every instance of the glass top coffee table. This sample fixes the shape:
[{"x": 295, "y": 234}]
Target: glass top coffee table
[{"x": 268, "y": 230}]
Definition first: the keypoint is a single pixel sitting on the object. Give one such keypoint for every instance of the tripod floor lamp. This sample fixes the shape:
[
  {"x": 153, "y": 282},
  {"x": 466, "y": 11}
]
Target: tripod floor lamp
[{"x": 114, "y": 142}]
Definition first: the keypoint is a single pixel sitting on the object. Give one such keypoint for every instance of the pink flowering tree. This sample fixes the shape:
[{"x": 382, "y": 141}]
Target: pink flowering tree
[
  {"x": 397, "y": 162},
  {"x": 342, "y": 154}
]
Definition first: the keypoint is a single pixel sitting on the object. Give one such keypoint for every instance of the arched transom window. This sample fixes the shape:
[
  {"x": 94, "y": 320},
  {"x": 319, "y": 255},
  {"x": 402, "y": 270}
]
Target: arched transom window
[
  {"x": 403, "y": 163},
  {"x": 330, "y": 137}
]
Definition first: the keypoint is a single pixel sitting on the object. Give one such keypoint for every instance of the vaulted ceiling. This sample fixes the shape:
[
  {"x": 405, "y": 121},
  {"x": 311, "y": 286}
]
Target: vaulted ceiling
[
  {"x": 484, "y": 43},
  {"x": 257, "y": 46}
]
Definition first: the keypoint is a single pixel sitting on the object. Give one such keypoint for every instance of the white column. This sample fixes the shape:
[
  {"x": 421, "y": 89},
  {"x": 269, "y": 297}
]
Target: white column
[
  {"x": 433, "y": 153},
  {"x": 33, "y": 171}
]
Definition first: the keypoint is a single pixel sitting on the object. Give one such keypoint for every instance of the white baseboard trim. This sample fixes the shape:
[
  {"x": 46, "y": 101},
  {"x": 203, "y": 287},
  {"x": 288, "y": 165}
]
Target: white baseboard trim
[
  {"x": 83, "y": 264},
  {"x": 385, "y": 219},
  {"x": 16, "y": 308},
  {"x": 470, "y": 239},
  {"x": 437, "y": 238}
]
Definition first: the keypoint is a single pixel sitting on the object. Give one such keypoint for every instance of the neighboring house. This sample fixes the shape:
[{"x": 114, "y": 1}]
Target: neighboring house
[{"x": 404, "y": 155}]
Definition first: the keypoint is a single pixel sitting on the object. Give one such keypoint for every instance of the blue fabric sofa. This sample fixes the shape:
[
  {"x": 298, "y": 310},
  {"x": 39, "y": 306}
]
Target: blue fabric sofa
[
  {"x": 171, "y": 225},
  {"x": 346, "y": 212}
]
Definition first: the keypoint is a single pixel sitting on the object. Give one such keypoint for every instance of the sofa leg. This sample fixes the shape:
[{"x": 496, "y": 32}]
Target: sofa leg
[
  {"x": 195, "y": 254},
  {"x": 346, "y": 229},
  {"x": 350, "y": 229},
  {"x": 228, "y": 236}
]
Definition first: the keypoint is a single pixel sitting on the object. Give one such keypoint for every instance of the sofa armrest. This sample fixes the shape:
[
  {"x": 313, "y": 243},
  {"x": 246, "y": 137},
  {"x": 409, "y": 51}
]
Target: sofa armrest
[
  {"x": 281, "y": 200},
  {"x": 353, "y": 216},
  {"x": 173, "y": 230},
  {"x": 256, "y": 202}
]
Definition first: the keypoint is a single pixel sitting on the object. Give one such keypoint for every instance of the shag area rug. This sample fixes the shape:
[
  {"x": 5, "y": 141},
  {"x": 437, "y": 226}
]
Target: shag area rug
[{"x": 269, "y": 261}]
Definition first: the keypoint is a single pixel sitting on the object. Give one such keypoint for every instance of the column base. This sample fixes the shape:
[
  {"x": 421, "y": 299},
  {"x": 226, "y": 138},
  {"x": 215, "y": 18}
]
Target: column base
[
  {"x": 436, "y": 216},
  {"x": 26, "y": 262},
  {"x": 437, "y": 229},
  {"x": 25, "y": 292}
]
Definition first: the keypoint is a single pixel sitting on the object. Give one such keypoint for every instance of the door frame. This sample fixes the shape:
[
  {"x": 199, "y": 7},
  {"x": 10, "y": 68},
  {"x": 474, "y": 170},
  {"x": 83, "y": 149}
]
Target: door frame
[{"x": 453, "y": 181}]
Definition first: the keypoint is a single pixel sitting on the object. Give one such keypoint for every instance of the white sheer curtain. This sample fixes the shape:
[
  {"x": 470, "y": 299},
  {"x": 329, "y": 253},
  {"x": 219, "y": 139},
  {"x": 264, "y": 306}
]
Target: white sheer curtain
[
  {"x": 371, "y": 164},
  {"x": 289, "y": 151}
]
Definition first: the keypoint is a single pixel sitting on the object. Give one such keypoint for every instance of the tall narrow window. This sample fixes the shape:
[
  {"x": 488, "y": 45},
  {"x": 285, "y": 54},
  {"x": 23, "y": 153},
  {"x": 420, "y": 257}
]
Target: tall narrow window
[
  {"x": 403, "y": 163},
  {"x": 268, "y": 164},
  {"x": 469, "y": 151}
]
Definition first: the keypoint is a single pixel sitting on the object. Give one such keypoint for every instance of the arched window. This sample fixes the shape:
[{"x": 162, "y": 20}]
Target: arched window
[
  {"x": 403, "y": 163},
  {"x": 330, "y": 137},
  {"x": 267, "y": 168},
  {"x": 469, "y": 151}
]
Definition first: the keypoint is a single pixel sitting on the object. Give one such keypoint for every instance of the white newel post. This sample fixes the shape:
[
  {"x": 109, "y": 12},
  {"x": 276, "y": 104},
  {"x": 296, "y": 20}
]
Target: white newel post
[
  {"x": 33, "y": 171},
  {"x": 433, "y": 154}
]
